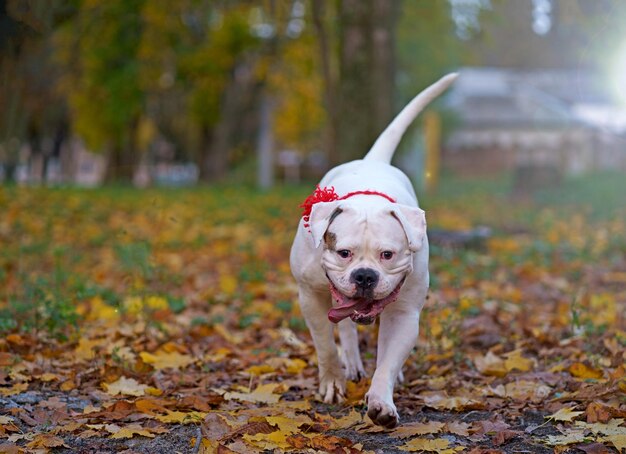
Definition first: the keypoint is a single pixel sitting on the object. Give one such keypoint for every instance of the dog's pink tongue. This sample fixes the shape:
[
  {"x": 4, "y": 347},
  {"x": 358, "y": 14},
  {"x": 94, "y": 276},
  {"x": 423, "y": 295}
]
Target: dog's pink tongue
[{"x": 338, "y": 313}]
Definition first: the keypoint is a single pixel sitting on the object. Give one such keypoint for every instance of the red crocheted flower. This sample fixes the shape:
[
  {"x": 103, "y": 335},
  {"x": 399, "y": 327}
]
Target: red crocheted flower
[{"x": 319, "y": 195}]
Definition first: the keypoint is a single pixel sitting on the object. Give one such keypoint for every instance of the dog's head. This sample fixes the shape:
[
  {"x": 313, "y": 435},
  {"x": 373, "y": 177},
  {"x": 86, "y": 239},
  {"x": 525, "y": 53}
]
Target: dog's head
[{"x": 367, "y": 253}]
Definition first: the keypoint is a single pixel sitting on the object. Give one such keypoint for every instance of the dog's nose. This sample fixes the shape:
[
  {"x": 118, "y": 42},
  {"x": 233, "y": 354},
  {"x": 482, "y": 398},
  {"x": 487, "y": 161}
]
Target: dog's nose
[{"x": 364, "y": 278}]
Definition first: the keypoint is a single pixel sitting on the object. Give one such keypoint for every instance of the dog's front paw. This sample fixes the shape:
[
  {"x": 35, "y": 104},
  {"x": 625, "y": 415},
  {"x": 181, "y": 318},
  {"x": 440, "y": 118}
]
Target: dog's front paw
[
  {"x": 333, "y": 387},
  {"x": 381, "y": 412}
]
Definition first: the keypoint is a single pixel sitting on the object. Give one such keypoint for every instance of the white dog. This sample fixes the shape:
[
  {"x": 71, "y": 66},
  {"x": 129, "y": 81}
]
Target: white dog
[{"x": 373, "y": 261}]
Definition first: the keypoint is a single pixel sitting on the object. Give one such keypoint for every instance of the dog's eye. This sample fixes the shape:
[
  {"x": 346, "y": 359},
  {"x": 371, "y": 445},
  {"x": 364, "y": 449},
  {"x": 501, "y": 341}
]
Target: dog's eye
[
  {"x": 386, "y": 255},
  {"x": 344, "y": 253}
]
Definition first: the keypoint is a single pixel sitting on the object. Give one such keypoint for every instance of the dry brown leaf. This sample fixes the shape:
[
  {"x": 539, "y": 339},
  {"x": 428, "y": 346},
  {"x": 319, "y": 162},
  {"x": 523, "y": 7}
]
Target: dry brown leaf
[
  {"x": 46, "y": 441},
  {"x": 458, "y": 428},
  {"x": 412, "y": 429}
]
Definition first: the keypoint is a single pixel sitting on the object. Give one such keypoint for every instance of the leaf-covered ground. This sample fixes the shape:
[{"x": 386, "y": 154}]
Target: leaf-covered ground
[{"x": 167, "y": 321}]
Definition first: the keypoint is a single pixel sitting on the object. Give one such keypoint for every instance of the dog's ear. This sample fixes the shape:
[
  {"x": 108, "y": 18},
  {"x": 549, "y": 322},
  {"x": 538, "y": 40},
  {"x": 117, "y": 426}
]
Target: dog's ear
[
  {"x": 413, "y": 221},
  {"x": 322, "y": 214}
]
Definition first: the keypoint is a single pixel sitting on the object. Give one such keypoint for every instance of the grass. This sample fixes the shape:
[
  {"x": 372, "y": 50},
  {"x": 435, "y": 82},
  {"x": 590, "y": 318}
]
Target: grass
[{"x": 63, "y": 246}]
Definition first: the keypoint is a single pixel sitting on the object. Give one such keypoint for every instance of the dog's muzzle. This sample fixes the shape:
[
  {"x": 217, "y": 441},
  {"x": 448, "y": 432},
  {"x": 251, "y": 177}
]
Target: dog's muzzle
[{"x": 362, "y": 310}]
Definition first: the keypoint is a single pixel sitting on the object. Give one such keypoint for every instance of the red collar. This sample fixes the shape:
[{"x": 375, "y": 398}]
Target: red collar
[{"x": 328, "y": 194}]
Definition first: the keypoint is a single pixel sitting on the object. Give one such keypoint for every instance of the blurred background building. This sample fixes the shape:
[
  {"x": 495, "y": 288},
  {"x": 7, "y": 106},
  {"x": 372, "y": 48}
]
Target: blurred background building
[{"x": 175, "y": 93}]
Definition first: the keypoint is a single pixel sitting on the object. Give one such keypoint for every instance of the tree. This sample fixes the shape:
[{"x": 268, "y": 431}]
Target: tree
[{"x": 98, "y": 51}]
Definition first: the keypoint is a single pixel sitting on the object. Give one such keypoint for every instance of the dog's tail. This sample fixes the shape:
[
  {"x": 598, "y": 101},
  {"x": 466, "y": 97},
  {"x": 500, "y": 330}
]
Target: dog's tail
[{"x": 386, "y": 144}]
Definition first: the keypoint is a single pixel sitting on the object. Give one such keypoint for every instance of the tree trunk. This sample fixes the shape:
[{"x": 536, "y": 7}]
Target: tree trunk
[
  {"x": 120, "y": 165},
  {"x": 366, "y": 81},
  {"x": 330, "y": 86},
  {"x": 265, "y": 146},
  {"x": 218, "y": 141},
  {"x": 123, "y": 158}
]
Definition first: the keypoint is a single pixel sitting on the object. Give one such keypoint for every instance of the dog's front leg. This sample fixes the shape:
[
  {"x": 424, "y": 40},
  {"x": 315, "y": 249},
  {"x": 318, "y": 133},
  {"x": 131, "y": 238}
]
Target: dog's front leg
[
  {"x": 315, "y": 306},
  {"x": 399, "y": 329}
]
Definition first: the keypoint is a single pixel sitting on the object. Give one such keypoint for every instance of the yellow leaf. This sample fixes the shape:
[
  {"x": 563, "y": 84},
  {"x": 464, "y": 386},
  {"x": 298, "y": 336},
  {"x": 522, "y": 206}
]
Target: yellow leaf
[
  {"x": 164, "y": 360},
  {"x": 284, "y": 424},
  {"x": 440, "y": 401},
  {"x": 48, "y": 377},
  {"x": 410, "y": 430},
  {"x": 132, "y": 430},
  {"x": 351, "y": 419},
  {"x": 260, "y": 369},
  {"x": 524, "y": 390},
  {"x": 228, "y": 284},
  {"x": 179, "y": 417},
  {"x": 490, "y": 364},
  {"x": 126, "y": 386},
  {"x": 565, "y": 414},
  {"x": 619, "y": 441},
  {"x": 613, "y": 427},
  {"x": 439, "y": 445},
  {"x": 295, "y": 366},
  {"x": 515, "y": 360},
  {"x": 274, "y": 440},
  {"x": 581, "y": 370},
  {"x": 262, "y": 394},
  {"x": 15, "y": 389},
  {"x": 85, "y": 349}
]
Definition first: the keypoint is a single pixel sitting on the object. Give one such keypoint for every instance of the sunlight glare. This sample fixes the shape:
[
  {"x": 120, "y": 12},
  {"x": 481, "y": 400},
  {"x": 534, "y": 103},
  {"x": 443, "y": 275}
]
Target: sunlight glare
[{"x": 618, "y": 75}]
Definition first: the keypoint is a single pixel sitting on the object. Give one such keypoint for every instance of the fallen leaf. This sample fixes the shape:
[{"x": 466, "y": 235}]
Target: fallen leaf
[
  {"x": 614, "y": 427},
  {"x": 262, "y": 394},
  {"x": 166, "y": 360},
  {"x": 440, "y": 401},
  {"x": 345, "y": 422},
  {"x": 6, "y": 420},
  {"x": 125, "y": 386},
  {"x": 274, "y": 440},
  {"x": 15, "y": 389},
  {"x": 581, "y": 370},
  {"x": 515, "y": 361},
  {"x": 412, "y": 429},
  {"x": 439, "y": 445},
  {"x": 46, "y": 441},
  {"x": 179, "y": 417},
  {"x": 594, "y": 448},
  {"x": 565, "y": 415},
  {"x": 619, "y": 441},
  {"x": 458, "y": 428},
  {"x": 131, "y": 430},
  {"x": 85, "y": 349},
  {"x": 490, "y": 364}
]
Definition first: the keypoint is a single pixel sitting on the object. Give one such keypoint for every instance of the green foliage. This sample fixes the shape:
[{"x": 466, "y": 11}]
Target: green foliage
[{"x": 99, "y": 52}]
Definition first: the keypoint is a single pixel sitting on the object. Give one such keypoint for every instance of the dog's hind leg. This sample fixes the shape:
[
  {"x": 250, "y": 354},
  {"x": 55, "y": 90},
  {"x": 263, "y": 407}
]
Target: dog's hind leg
[{"x": 350, "y": 354}]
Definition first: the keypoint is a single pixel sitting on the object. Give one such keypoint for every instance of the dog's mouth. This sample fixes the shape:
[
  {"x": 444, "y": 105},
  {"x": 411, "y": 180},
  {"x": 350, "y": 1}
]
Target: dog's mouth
[{"x": 360, "y": 310}]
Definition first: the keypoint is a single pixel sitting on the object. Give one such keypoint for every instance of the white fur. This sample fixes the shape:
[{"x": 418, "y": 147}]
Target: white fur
[{"x": 366, "y": 225}]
